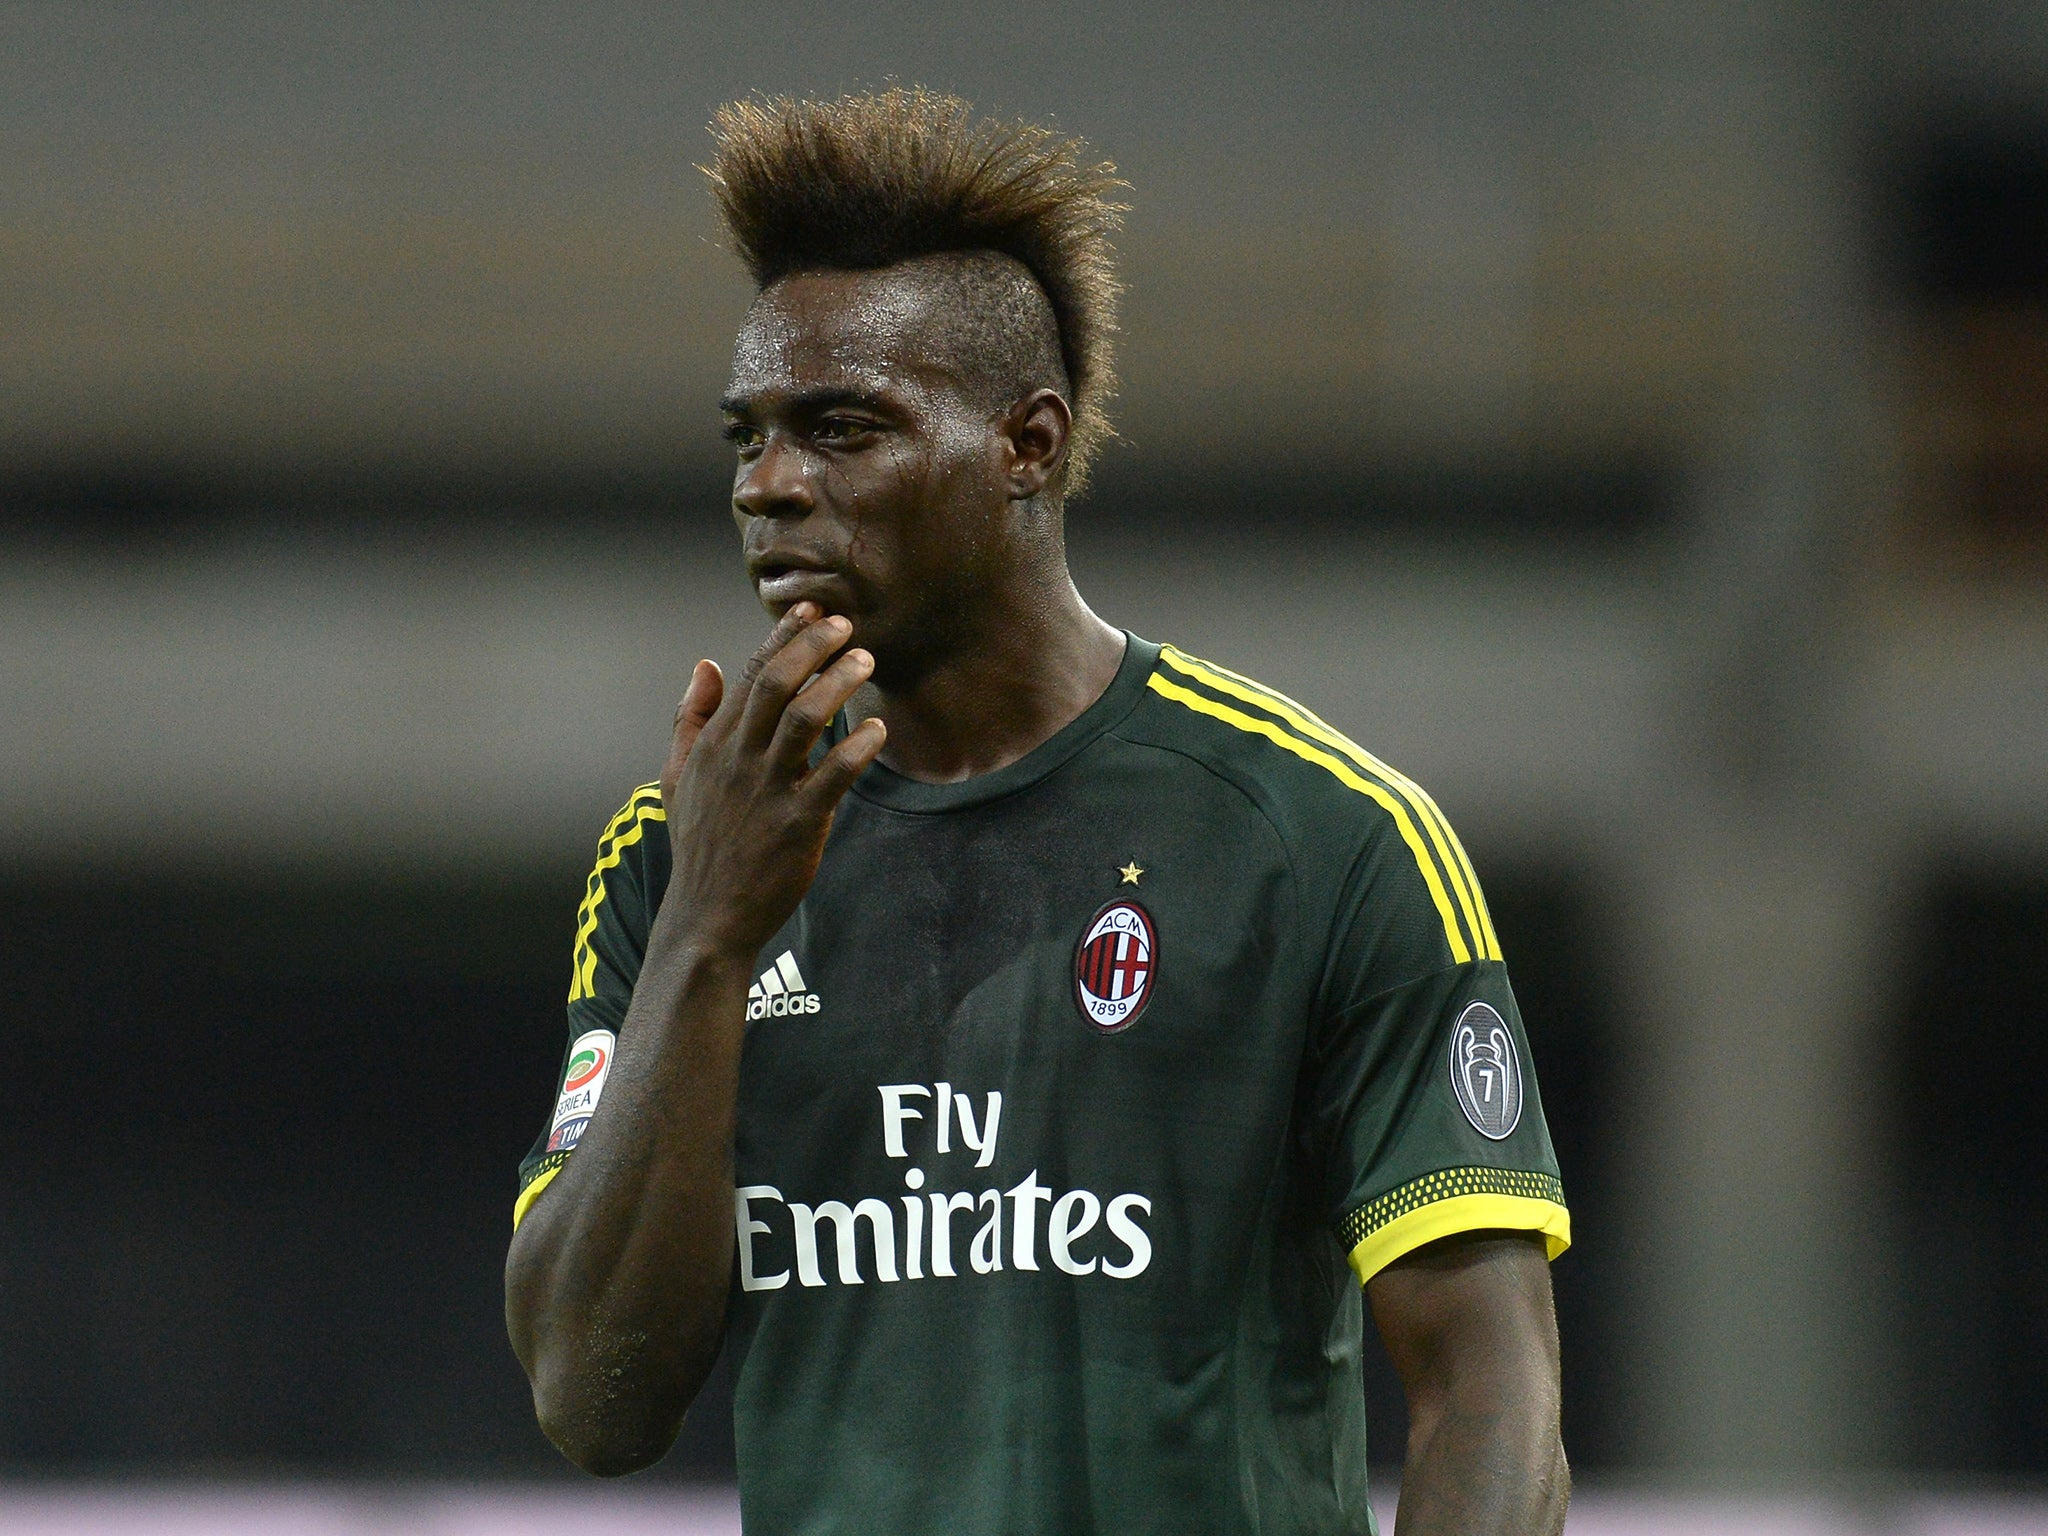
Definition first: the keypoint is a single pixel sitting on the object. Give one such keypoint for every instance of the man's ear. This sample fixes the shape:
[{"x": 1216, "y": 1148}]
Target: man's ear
[{"x": 1035, "y": 432}]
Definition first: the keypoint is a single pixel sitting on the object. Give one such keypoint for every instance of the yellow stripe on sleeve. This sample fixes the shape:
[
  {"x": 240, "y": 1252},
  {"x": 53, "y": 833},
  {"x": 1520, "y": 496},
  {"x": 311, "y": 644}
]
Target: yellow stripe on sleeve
[
  {"x": 1344, "y": 775},
  {"x": 624, "y": 831},
  {"x": 1462, "y": 1213},
  {"x": 1449, "y": 850},
  {"x": 532, "y": 1193}
]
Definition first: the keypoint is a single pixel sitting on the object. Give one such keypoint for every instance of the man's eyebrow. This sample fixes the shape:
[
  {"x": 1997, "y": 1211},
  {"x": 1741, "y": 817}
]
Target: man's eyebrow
[{"x": 807, "y": 401}]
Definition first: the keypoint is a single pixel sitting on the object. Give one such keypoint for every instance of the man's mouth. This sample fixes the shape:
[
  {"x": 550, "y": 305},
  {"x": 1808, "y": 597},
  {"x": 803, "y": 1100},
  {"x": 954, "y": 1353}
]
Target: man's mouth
[{"x": 783, "y": 582}]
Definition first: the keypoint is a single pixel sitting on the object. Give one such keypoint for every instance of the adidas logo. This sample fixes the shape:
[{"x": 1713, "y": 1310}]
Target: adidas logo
[{"x": 780, "y": 991}]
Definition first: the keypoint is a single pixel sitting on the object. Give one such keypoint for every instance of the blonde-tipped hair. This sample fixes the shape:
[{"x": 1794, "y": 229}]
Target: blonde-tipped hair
[{"x": 871, "y": 180}]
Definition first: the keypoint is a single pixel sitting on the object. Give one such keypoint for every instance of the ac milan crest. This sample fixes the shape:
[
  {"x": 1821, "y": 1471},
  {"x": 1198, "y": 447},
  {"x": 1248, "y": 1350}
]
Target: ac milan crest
[{"x": 1116, "y": 966}]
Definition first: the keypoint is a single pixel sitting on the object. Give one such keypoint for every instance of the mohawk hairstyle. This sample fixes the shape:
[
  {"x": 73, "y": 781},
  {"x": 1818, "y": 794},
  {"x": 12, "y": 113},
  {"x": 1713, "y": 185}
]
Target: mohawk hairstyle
[{"x": 871, "y": 180}]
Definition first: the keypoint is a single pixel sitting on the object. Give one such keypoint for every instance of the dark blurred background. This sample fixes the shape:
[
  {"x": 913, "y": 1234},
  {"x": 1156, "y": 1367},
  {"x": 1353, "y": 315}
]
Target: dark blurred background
[{"x": 1630, "y": 419}]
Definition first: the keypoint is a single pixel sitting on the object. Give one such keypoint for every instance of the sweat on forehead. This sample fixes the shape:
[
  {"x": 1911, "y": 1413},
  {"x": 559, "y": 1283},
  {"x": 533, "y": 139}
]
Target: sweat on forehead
[{"x": 977, "y": 315}]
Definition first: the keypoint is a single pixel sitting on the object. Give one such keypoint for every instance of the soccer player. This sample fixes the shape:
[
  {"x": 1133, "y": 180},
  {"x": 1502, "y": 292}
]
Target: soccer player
[{"x": 1016, "y": 1041}]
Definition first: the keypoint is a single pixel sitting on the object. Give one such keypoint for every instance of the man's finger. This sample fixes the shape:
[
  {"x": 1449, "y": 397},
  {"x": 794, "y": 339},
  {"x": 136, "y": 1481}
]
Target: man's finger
[
  {"x": 807, "y": 716},
  {"x": 826, "y": 785},
  {"x": 785, "y": 673},
  {"x": 699, "y": 703},
  {"x": 792, "y": 623}
]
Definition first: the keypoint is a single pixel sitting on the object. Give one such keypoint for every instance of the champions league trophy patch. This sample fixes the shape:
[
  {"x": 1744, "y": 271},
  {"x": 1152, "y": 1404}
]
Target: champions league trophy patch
[{"x": 1486, "y": 1074}]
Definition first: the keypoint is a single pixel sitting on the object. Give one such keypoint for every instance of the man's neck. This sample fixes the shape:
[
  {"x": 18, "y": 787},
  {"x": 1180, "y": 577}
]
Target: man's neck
[{"x": 1027, "y": 669}]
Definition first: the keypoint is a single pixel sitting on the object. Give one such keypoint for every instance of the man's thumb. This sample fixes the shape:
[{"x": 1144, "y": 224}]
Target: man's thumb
[{"x": 700, "y": 701}]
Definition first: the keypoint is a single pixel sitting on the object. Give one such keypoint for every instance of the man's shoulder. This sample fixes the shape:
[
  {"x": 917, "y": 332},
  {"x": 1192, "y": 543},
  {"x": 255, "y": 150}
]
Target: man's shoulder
[
  {"x": 625, "y": 882},
  {"x": 1357, "y": 828},
  {"x": 624, "y": 842},
  {"x": 1309, "y": 777}
]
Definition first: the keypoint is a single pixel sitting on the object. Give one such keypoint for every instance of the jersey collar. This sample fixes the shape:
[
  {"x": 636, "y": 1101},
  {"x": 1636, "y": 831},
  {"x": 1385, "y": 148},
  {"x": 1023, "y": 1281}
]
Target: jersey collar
[{"x": 886, "y": 787}]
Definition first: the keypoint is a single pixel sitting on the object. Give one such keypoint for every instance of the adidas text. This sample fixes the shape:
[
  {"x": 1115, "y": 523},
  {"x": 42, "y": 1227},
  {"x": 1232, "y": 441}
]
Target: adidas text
[{"x": 781, "y": 991}]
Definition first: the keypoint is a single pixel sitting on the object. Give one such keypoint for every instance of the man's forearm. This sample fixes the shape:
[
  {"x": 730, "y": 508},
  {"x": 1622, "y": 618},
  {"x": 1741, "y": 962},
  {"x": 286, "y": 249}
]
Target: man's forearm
[
  {"x": 1478, "y": 1470},
  {"x": 1469, "y": 1323},
  {"x": 617, "y": 1281}
]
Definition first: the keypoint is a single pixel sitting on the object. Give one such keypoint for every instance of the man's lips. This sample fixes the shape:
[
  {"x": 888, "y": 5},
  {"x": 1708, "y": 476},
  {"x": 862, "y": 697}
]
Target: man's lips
[{"x": 784, "y": 582}]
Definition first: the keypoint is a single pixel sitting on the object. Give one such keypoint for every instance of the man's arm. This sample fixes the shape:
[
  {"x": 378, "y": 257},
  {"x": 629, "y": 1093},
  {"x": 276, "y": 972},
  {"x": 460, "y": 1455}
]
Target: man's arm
[
  {"x": 617, "y": 1280},
  {"x": 1472, "y": 1331}
]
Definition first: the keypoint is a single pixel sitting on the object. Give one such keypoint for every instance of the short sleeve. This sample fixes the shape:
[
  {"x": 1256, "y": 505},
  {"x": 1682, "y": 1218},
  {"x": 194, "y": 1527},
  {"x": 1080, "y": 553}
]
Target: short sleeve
[
  {"x": 1422, "y": 1099},
  {"x": 610, "y": 941}
]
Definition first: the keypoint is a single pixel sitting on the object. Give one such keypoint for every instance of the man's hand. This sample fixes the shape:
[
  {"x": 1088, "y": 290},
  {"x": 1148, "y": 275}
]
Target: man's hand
[
  {"x": 1473, "y": 1333},
  {"x": 617, "y": 1281},
  {"x": 747, "y": 813}
]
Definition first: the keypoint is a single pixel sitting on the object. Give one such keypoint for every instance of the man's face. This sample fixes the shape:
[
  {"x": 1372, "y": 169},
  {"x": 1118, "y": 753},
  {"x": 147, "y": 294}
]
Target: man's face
[{"x": 868, "y": 480}]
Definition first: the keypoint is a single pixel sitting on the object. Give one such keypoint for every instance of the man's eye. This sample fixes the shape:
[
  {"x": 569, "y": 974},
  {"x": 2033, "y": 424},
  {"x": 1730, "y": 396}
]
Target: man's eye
[
  {"x": 839, "y": 428},
  {"x": 742, "y": 436}
]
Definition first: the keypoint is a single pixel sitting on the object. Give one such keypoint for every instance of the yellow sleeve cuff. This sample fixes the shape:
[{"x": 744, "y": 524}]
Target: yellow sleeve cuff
[
  {"x": 1462, "y": 1213},
  {"x": 532, "y": 1193}
]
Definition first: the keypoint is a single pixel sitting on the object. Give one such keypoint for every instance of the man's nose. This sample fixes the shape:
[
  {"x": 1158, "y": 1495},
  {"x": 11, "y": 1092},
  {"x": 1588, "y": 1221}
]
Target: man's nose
[{"x": 777, "y": 483}]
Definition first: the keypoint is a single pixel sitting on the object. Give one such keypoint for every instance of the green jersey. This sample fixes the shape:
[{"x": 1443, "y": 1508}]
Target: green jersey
[{"x": 1076, "y": 1101}]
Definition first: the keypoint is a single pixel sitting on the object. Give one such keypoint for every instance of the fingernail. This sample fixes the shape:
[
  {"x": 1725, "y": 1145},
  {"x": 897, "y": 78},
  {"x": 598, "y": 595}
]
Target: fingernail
[{"x": 860, "y": 658}]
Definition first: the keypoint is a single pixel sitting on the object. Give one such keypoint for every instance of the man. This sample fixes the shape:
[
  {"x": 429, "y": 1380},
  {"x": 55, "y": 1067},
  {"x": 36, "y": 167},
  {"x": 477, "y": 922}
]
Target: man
[{"x": 1013, "y": 1040}]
